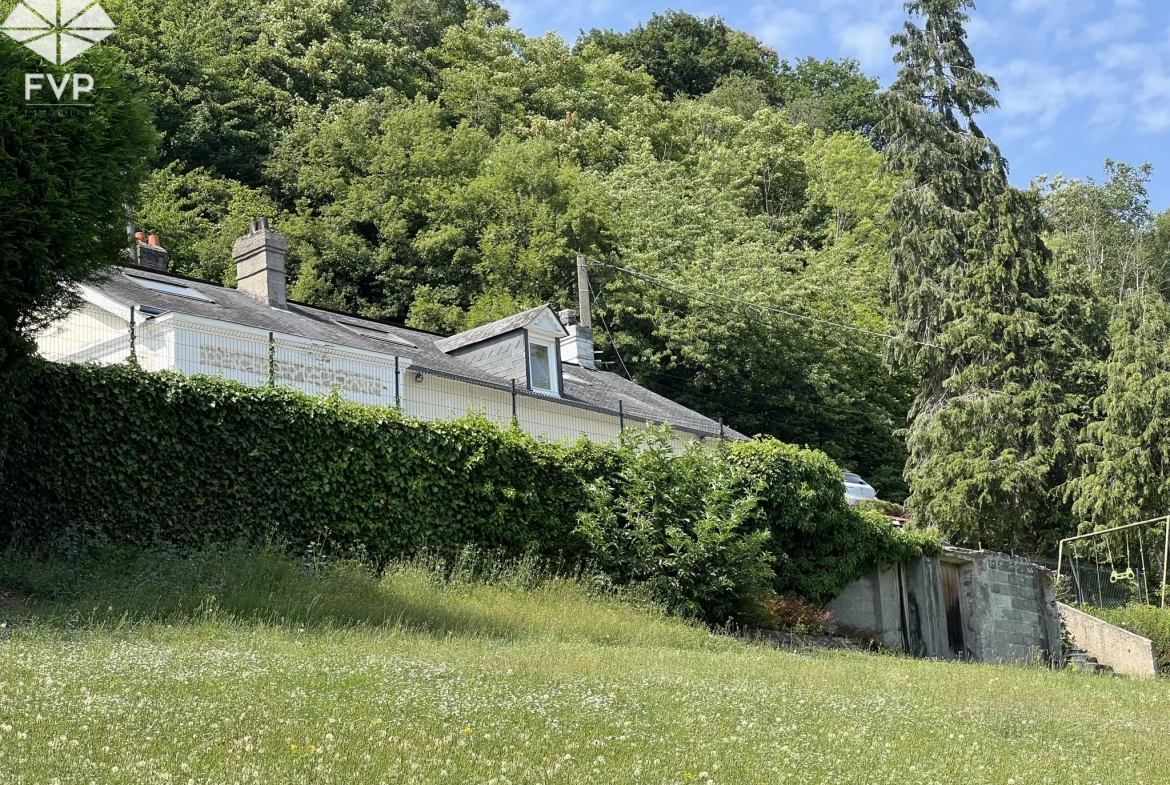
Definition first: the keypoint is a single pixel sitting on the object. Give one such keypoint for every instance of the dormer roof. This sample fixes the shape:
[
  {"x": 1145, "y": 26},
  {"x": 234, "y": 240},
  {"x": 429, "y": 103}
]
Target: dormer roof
[{"x": 541, "y": 318}]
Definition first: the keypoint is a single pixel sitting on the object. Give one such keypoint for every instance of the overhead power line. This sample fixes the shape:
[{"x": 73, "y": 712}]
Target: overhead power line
[
  {"x": 687, "y": 290},
  {"x": 612, "y": 342}
]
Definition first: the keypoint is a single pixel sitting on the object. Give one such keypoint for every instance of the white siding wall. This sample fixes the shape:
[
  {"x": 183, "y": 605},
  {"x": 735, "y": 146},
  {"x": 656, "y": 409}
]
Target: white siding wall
[{"x": 191, "y": 346}]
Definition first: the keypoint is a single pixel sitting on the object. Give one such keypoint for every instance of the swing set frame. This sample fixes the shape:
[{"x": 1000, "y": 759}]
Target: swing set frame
[{"x": 1165, "y": 546}]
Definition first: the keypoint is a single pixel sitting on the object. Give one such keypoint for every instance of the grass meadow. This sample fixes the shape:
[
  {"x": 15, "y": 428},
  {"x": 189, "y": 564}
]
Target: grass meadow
[{"x": 250, "y": 668}]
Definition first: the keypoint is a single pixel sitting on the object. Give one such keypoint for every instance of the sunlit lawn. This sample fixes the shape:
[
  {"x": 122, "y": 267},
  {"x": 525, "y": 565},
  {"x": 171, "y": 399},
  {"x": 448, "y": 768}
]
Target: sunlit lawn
[{"x": 252, "y": 669}]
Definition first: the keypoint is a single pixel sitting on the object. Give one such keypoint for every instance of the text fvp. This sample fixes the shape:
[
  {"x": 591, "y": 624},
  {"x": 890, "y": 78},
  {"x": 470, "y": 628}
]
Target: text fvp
[{"x": 82, "y": 83}]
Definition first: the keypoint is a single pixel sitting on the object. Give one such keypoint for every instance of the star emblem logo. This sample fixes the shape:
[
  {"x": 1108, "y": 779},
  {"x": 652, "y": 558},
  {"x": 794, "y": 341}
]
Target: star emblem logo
[{"x": 58, "y": 30}]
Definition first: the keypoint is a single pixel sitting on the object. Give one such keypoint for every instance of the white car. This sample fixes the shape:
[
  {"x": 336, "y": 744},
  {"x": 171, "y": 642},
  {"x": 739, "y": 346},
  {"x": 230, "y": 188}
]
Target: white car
[{"x": 857, "y": 489}]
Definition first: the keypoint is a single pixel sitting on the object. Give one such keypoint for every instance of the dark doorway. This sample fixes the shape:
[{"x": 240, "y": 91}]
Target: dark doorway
[{"x": 950, "y": 581}]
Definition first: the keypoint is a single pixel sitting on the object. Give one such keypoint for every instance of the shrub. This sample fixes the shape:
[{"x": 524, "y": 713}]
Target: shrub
[
  {"x": 793, "y": 615},
  {"x": 819, "y": 545},
  {"x": 886, "y": 508},
  {"x": 681, "y": 526}
]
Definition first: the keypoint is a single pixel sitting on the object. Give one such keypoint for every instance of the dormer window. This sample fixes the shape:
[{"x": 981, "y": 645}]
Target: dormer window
[
  {"x": 542, "y": 375},
  {"x": 524, "y": 349}
]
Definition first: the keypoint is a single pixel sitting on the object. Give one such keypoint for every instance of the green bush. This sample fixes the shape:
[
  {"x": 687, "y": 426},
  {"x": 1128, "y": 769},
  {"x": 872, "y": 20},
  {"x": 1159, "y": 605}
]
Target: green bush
[
  {"x": 681, "y": 526},
  {"x": 818, "y": 543},
  {"x": 1145, "y": 620},
  {"x": 116, "y": 454},
  {"x": 788, "y": 614}
]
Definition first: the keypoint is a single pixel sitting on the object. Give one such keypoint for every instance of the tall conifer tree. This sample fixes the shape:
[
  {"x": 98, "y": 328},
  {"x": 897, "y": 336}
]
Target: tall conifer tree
[
  {"x": 968, "y": 289},
  {"x": 1125, "y": 452}
]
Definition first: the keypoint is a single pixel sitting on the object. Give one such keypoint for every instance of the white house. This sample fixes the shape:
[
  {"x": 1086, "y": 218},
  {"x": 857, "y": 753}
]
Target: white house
[{"x": 536, "y": 366}]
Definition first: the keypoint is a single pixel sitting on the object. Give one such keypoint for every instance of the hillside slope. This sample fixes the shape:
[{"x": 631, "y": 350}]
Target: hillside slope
[{"x": 244, "y": 668}]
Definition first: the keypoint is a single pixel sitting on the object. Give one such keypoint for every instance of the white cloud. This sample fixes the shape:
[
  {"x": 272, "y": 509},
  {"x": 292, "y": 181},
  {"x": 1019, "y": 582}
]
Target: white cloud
[
  {"x": 1111, "y": 29},
  {"x": 869, "y": 42},
  {"x": 1124, "y": 55},
  {"x": 1031, "y": 6},
  {"x": 981, "y": 29},
  {"x": 1153, "y": 101},
  {"x": 781, "y": 28}
]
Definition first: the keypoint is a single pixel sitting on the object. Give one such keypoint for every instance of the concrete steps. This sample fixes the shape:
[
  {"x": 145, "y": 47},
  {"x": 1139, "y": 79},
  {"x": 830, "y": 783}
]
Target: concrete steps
[
  {"x": 1079, "y": 659},
  {"x": 1127, "y": 653}
]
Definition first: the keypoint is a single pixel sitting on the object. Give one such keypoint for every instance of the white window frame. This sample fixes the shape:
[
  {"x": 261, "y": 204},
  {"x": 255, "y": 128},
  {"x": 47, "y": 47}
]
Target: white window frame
[{"x": 553, "y": 376}]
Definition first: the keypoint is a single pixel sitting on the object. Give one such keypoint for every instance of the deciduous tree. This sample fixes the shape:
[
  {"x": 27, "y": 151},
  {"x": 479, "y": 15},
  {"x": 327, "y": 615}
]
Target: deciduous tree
[{"x": 65, "y": 182}]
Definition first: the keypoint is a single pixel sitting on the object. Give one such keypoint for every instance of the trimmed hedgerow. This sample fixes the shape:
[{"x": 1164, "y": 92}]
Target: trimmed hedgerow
[
  {"x": 118, "y": 454},
  {"x": 115, "y": 454}
]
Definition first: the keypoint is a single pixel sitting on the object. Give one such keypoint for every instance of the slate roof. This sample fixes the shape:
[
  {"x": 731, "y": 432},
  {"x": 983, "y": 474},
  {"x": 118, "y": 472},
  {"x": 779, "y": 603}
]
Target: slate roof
[
  {"x": 594, "y": 389},
  {"x": 487, "y": 331}
]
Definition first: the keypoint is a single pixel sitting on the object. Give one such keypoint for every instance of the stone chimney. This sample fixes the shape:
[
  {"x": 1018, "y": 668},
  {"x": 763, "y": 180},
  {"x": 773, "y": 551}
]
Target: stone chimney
[
  {"x": 149, "y": 254},
  {"x": 259, "y": 259},
  {"x": 577, "y": 346}
]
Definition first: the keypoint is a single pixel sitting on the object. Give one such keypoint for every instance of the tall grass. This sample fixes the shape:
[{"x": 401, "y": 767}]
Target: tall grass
[{"x": 472, "y": 594}]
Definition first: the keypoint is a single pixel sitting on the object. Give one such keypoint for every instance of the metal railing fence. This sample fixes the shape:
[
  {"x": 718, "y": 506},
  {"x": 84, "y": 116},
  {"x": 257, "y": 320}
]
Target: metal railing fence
[{"x": 161, "y": 341}]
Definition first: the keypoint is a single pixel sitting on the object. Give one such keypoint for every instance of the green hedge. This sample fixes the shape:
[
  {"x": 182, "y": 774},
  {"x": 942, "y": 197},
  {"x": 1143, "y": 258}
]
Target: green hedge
[
  {"x": 133, "y": 457},
  {"x": 119, "y": 455}
]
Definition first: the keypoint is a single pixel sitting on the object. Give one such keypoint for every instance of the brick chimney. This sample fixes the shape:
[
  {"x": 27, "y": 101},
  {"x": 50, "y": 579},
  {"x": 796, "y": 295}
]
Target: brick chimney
[
  {"x": 259, "y": 259},
  {"x": 149, "y": 254},
  {"x": 577, "y": 346}
]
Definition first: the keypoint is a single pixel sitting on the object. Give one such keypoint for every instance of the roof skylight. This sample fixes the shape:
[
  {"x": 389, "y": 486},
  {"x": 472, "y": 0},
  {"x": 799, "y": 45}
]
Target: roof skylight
[
  {"x": 374, "y": 331},
  {"x": 170, "y": 288}
]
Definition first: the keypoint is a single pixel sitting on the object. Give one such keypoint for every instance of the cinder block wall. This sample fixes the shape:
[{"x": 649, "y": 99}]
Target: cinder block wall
[{"x": 1007, "y": 606}]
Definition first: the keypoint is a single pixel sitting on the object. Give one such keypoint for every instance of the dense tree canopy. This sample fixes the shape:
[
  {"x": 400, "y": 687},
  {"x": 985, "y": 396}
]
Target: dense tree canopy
[
  {"x": 456, "y": 181},
  {"x": 686, "y": 55},
  {"x": 225, "y": 78},
  {"x": 692, "y": 57}
]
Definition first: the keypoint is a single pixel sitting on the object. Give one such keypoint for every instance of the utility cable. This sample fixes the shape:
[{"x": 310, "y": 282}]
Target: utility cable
[
  {"x": 605, "y": 327},
  {"x": 765, "y": 317},
  {"x": 771, "y": 398}
]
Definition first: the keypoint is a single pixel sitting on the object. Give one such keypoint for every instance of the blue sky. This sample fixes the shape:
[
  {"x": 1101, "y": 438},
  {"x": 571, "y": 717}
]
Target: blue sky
[{"x": 1080, "y": 80}]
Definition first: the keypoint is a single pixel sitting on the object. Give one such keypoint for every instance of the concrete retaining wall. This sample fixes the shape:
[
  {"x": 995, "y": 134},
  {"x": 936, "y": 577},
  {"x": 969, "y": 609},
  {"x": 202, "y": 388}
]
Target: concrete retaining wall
[
  {"x": 872, "y": 603},
  {"x": 1126, "y": 652}
]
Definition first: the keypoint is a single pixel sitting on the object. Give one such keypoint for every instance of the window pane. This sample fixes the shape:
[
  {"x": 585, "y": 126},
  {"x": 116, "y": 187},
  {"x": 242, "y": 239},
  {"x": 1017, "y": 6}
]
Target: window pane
[{"x": 540, "y": 369}]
